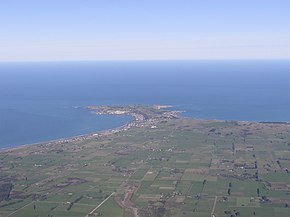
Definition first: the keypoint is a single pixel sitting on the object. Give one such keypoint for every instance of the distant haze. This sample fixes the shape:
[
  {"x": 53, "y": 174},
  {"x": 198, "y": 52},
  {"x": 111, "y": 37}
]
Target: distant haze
[
  {"x": 56, "y": 30},
  {"x": 44, "y": 101}
]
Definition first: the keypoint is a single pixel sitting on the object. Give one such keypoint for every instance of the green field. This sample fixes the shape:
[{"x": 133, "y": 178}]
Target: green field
[{"x": 164, "y": 165}]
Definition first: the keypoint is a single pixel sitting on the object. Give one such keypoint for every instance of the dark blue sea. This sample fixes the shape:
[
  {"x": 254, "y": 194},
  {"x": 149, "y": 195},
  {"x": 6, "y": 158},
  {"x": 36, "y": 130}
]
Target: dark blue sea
[{"x": 45, "y": 101}]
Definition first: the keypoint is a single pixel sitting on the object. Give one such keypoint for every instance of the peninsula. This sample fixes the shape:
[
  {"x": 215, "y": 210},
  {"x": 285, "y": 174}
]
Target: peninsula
[{"x": 159, "y": 164}]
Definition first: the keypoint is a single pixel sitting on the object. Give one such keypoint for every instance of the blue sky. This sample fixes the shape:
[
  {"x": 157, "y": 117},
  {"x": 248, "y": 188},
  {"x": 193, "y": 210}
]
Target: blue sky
[{"x": 34, "y": 30}]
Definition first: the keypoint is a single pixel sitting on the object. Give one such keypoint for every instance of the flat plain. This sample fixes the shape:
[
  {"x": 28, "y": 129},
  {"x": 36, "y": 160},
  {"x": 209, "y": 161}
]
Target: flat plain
[{"x": 160, "y": 164}]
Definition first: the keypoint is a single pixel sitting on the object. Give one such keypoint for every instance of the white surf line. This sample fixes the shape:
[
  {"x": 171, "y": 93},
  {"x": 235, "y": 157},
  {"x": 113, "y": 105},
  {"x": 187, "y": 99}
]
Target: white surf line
[
  {"x": 20, "y": 208},
  {"x": 213, "y": 207},
  {"x": 90, "y": 213}
]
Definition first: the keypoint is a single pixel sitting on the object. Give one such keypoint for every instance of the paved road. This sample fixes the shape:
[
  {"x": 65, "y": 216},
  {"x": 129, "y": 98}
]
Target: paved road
[
  {"x": 100, "y": 204},
  {"x": 213, "y": 207}
]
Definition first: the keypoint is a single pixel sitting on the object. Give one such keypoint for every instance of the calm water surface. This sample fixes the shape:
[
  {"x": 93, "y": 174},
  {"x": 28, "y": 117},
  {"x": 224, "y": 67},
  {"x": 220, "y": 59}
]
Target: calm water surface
[{"x": 44, "y": 101}]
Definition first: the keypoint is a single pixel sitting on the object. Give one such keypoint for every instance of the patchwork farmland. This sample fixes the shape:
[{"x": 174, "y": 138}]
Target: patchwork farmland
[{"x": 161, "y": 164}]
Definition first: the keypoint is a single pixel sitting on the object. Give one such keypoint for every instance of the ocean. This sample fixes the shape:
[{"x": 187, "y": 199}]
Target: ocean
[{"x": 46, "y": 100}]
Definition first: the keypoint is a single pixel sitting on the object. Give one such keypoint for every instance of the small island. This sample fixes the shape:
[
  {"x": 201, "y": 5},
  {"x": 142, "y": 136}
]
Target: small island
[{"x": 158, "y": 164}]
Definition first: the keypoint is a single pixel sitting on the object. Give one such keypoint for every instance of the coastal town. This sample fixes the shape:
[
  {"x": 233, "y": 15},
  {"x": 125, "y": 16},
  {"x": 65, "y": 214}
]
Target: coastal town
[{"x": 158, "y": 164}]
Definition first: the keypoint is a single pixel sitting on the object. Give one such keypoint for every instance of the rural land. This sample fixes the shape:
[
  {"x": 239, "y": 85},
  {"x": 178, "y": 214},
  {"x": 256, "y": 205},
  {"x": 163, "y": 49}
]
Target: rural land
[{"x": 160, "y": 164}]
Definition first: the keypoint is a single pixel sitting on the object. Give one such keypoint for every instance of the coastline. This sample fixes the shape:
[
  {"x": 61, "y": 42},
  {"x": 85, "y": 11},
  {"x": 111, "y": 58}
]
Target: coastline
[
  {"x": 68, "y": 139},
  {"x": 137, "y": 120},
  {"x": 60, "y": 140},
  {"x": 160, "y": 143}
]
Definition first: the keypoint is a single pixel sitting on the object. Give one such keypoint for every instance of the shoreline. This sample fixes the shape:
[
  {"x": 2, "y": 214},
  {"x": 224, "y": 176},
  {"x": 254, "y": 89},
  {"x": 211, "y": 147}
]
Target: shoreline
[
  {"x": 89, "y": 135},
  {"x": 67, "y": 139},
  {"x": 136, "y": 118}
]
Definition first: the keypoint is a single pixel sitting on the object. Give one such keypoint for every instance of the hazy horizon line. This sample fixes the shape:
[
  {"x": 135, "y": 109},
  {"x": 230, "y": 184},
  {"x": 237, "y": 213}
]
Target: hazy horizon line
[{"x": 147, "y": 60}]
